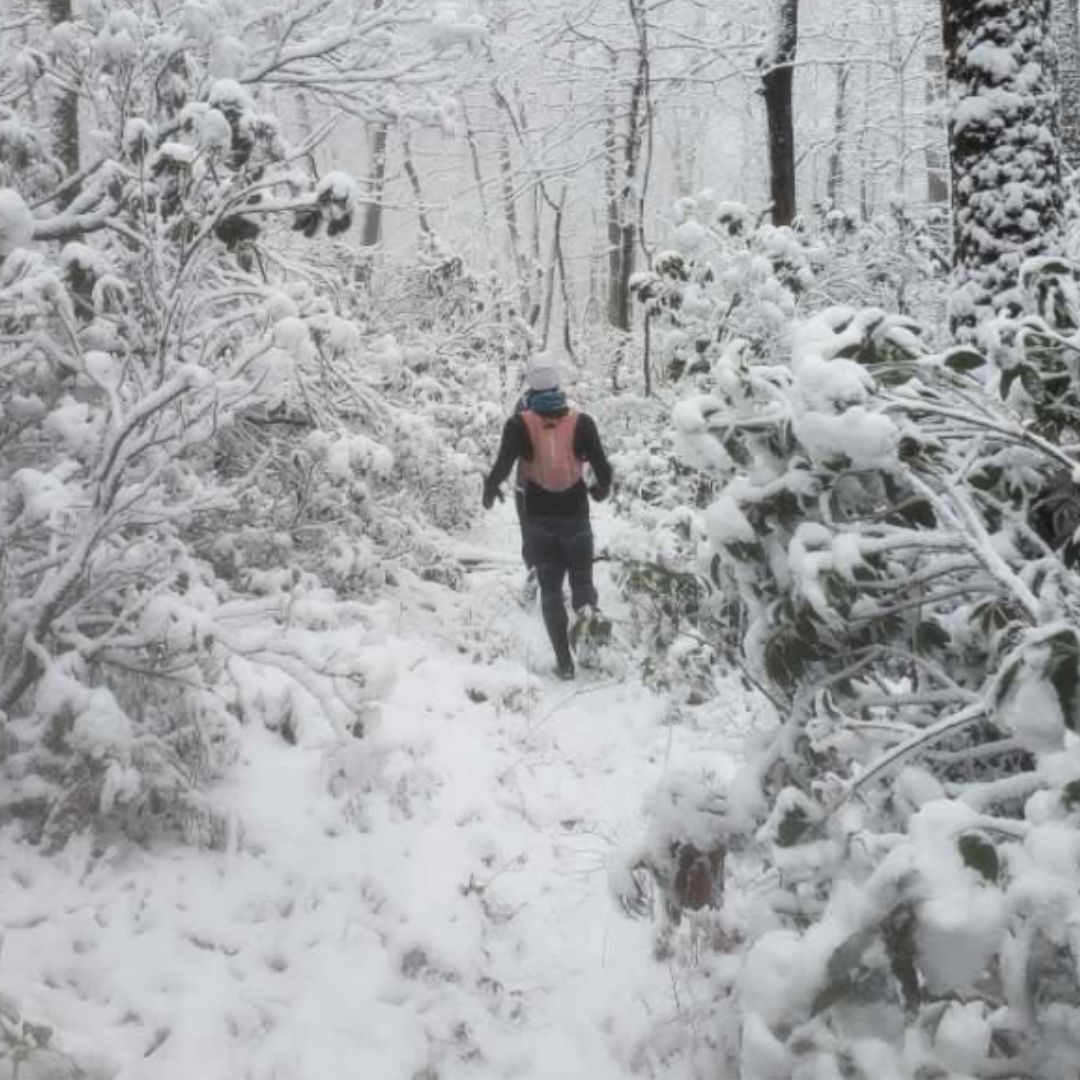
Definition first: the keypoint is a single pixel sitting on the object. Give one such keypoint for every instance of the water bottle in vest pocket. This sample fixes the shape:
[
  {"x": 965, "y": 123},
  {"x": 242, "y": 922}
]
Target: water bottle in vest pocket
[{"x": 554, "y": 465}]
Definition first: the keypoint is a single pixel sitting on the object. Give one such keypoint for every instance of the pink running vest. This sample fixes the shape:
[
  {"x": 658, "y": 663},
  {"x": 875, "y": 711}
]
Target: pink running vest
[{"x": 554, "y": 465}]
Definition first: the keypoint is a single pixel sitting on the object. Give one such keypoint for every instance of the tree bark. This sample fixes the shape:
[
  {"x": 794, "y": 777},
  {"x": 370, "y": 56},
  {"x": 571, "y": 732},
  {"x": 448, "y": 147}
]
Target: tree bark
[
  {"x": 1005, "y": 152},
  {"x": 777, "y": 77},
  {"x": 536, "y": 290},
  {"x": 414, "y": 183},
  {"x": 478, "y": 175},
  {"x": 510, "y": 215},
  {"x": 862, "y": 156},
  {"x": 371, "y": 233},
  {"x": 834, "y": 182},
  {"x": 1065, "y": 24},
  {"x": 615, "y": 314},
  {"x": 937, "y": 159},
  {"x": 65, "y": 119},
  {"x": 624, "y": 204}
]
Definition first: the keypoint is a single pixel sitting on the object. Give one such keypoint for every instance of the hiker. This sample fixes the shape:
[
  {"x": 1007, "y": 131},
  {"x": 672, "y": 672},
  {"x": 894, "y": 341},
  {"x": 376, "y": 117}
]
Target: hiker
[
  {"x": 551, "y": 441},
  {"x": 528, "y": 591}
]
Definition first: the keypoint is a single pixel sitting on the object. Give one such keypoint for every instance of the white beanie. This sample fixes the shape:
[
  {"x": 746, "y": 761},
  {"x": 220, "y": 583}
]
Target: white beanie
[{"x": 542, "y": 372}]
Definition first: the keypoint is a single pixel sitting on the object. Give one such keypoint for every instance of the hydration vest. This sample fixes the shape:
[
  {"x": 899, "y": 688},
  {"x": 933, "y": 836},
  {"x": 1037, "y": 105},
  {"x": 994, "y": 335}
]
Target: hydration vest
[{"x": 554, "y": 465}]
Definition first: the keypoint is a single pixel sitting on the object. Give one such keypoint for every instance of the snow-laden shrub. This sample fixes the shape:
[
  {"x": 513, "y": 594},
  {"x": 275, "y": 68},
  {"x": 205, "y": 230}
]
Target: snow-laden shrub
[
  {"x": 896, "y": 260},
  {"x": 446, "y": 351},
  {"x": 910, "y": 825},
  {"x": 131, "y": 641},
  {"x": 723, "y": 277},
  {"x": 722, "y": 273},
  {"x": 28, "y": 1049},
  {"x": 201, "y": 482},
  {"x": 24, "y": 154},
  {"x": 727, "y": 278}
]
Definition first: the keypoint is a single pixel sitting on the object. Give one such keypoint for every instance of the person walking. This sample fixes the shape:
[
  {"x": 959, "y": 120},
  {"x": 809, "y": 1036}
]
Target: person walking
[
  {"x": 529, "y": 589},
  {"x": 551, "y": 442}
]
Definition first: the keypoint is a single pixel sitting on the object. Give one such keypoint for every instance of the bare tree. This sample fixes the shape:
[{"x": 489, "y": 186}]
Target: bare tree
[
  {"x": 776, "y": 64},
  {"x": 422, "y": 218},
  {"x": 625, "y": 165},
  {"x": 937, "y": 160},
  {"x": 834, "y": 182}
]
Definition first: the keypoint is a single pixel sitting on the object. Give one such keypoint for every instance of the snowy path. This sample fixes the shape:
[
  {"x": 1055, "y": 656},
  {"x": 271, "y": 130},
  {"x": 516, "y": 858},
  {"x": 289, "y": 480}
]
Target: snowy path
[{"x": 447, "y": 914}]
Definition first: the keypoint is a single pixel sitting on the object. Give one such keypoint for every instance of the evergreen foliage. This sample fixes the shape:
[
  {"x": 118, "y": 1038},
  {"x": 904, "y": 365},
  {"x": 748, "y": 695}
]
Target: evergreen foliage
[{"x": 896, "y": 522}]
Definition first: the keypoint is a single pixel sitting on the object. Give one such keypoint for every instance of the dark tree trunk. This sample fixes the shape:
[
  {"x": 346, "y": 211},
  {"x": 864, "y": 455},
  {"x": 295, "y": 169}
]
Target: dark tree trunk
[
  {"x": 616, "y": 310},
  {"x": 624, "y": 204},
  {"x": 1005, "y": 152},
  {"x": 65, "y": 120},
  {"x": 1065, "y": 23},
  {"x": 834, "y": 182},
  {"x": 372, "y": 231},
  {"x": 777, "y": 77}
]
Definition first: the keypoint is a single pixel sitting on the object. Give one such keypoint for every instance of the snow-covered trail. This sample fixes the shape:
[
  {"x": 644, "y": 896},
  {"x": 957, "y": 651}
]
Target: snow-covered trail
[{"x": 430, "y": 902}]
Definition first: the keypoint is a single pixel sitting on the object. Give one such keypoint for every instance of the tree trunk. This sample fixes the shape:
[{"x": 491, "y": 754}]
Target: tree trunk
[
  {"x": 510, "y": 216},
  {"x": 1005, "y": 153},
  {"x": 862, "y": 156},
  {"x": 478, "y": 175},
  {"x": 414, "y": 183},
  {"x": 611, "y": 200},
  {"x": 624, "y": 202},
  {"x": 834, "y": 182},
  {"x": 1065, "y": 24},
  {"x": 777, "y": 77},
  {"x": 548, "y": 291},
  {"x": 65, "y": 120},
  {"x": 372, "y": 231},
  {"x": 937, "y": 159},
  {"x": 536, "y": 290}
]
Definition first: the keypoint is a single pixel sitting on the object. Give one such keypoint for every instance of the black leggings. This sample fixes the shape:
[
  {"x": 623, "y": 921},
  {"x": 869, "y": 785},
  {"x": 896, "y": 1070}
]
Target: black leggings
[
  {"x": 561, "y": 546},
  {"x": 519, "y": 506}
]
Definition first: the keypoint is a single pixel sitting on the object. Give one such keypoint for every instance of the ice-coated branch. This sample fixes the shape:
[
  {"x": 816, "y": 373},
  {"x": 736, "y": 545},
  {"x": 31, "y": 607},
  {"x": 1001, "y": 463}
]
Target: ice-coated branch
[{"x": 950, "y": 725}]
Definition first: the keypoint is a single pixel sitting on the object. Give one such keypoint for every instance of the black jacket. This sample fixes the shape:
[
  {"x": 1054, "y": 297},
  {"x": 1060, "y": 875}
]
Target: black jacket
[{"x": 574, "y": 502}]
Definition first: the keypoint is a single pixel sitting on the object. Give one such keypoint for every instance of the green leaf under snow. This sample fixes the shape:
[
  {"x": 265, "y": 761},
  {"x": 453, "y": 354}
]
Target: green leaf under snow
[
  {"x": 980, "y": 855},
  {"x": 794, "y": 825},
  {"x": 1070, "y": 795},
  {"x": 1063, "y": 671},
  {"x": 930, "y": 635},
  {"x": 963, "y": 358}
]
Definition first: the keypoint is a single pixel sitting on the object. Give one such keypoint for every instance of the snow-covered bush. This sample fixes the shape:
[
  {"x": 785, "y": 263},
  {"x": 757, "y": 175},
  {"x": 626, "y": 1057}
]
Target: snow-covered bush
[
  {"x": 27, "y": 1049},
  {"x": 724, "y": 277},
  {"x": 910, "y": 822},
  {"x": 722, "y": 297},
  {"x": 897, "y": 260},
  {"x": 202, "y": 477},
  {"x": 449, "y": 349},
  {"x": 727, "y": 278},
  {"x": 722, "y": 274}
]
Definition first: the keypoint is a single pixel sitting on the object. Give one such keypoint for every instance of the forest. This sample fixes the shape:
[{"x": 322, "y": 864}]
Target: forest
[{"x": 289, "y": 789}]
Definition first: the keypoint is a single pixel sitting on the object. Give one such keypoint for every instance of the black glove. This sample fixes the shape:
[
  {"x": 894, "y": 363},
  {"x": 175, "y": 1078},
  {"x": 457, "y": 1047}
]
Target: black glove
[
  {"x": 491, "y": 493},
  {"x": 599, "y": 492}
]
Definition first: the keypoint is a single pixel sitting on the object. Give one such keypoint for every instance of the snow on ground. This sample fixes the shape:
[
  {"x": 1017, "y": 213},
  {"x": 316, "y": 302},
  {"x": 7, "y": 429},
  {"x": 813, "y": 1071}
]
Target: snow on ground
[{"x": 427, "y": 903}]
